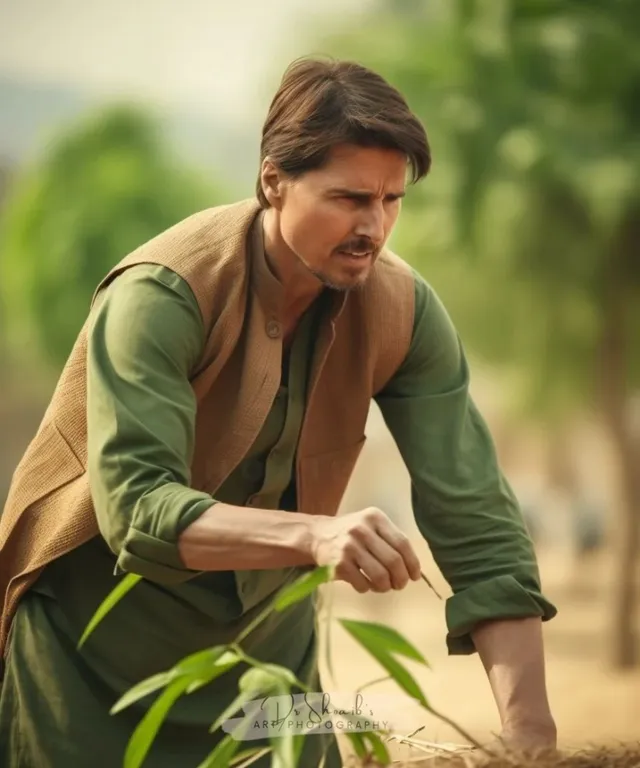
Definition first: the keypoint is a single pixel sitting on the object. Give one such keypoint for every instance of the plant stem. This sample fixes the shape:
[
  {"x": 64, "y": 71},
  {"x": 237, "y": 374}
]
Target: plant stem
[
  {"x": 457, "y": 728},
  {"x": 373, "y": 682},
  {"x": 253, "y": 624}
]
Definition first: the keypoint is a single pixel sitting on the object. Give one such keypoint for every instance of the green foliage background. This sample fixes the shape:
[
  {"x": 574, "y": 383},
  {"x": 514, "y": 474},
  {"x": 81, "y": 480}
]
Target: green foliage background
[
  {"x": 102, "y": 188},
  {"x": 529, "y": 224}
]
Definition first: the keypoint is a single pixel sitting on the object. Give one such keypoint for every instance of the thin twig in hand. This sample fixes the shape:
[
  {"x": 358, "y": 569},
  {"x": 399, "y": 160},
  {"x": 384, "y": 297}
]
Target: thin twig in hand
[{"x": 424, "y": 578}]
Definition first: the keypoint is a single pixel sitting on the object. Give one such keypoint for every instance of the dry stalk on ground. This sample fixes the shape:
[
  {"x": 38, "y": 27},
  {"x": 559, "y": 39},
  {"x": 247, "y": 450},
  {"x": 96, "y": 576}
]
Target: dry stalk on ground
[{"x": 451, "y": 756}]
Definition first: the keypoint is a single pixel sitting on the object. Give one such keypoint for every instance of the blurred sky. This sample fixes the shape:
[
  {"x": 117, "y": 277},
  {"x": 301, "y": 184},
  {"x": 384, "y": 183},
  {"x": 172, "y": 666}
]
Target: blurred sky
[{"x": 214, "y": 57}]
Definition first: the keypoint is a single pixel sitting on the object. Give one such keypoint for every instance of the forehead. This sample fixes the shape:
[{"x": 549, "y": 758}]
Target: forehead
[{"x": 357, "y": 167}]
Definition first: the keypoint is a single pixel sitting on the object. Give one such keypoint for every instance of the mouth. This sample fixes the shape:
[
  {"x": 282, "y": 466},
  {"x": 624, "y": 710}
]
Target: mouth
[{"x": 355, "y": 257}]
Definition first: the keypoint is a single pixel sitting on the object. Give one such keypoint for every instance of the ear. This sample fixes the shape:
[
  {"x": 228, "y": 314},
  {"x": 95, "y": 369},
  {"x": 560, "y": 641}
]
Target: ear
[{"x": 272, "y": 181}]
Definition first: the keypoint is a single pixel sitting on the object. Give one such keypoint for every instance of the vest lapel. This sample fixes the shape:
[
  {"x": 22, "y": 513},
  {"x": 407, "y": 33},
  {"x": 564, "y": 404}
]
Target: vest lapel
[{"x": 241, "y": 394}]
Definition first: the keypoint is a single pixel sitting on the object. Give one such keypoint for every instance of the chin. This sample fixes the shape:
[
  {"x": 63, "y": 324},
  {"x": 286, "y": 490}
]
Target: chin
[{"x": 344, "y": 283}]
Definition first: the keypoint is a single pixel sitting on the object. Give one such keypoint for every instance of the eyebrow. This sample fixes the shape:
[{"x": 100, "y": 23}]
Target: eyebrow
[{"x": 360, "y": 194}]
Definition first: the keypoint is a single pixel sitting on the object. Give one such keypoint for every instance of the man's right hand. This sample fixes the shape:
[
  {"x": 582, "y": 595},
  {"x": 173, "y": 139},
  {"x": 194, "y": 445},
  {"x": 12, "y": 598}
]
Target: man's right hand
[{"x": 367, "y": 550}]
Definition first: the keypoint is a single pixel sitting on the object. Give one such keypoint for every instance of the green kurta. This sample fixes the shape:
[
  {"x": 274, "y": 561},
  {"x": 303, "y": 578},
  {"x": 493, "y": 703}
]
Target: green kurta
[{"x": 146, "y": 337}]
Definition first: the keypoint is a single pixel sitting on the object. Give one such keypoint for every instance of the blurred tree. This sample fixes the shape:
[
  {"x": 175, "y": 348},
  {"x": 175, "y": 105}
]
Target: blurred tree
[
  {"x": 104, "y": 187},
  {"x": 529, "y": 225}
]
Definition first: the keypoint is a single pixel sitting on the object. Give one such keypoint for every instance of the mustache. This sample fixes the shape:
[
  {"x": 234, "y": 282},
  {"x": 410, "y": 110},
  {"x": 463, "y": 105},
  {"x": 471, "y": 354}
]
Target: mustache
[{"x": 359, "y": 245}]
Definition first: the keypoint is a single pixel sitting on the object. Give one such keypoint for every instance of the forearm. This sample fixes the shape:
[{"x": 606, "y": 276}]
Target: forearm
[
  {"x": 227, "y": 538},
  {"x": 513, "y": 657}
]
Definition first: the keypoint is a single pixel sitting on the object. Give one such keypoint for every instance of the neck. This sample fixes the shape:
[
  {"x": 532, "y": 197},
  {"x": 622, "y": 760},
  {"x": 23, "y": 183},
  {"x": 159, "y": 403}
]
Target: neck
[{"x": 301, "y": 288}]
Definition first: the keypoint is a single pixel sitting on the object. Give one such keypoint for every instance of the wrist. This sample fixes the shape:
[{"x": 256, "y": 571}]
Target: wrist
[
  {"x": 309, "y": 535},
  {"x": 302, "y": 535}
]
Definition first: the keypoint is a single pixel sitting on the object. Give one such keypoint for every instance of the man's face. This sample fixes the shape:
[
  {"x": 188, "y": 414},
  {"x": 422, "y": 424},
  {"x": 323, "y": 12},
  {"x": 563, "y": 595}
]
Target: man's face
[{"x": 337, "y": 218}]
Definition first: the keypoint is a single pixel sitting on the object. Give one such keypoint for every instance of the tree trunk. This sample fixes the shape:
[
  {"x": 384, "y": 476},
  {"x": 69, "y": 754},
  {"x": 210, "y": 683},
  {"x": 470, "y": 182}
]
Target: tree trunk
[
  {"x": 625, "y": 597},
  {"x": 615, "y": 399}
]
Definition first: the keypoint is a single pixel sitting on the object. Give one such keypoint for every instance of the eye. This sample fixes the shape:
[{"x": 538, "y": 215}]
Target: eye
[{"x": 358, "y": 201}]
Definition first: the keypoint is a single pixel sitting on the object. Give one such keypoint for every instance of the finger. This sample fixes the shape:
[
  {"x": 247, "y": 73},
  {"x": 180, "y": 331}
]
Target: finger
[
  {"x": 390, "y": 559},
  {"x": 396, "y": 539},
  {"x": 378, "y": 576},
  {"x": 350, "y": 573}
]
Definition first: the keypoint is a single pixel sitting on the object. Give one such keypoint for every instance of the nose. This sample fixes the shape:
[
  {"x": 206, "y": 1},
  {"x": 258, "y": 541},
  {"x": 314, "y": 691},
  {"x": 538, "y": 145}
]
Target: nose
[{"x": 371, "y": 224}]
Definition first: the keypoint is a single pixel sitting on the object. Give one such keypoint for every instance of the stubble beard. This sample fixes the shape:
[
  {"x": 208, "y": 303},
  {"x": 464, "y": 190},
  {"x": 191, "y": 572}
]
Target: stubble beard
[{"x": 358, "y": 285}]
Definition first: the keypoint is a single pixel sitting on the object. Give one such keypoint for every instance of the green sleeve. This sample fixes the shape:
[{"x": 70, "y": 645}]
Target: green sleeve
[
  {"x": 145, "y": 336},
  {"x": 462, "y": 503}
]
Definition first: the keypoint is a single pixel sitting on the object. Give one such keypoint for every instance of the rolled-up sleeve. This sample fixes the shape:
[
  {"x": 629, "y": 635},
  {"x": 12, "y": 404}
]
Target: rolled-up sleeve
[
  {"x": 145, "y": 336},
  {"x": 463, "y": 505}
]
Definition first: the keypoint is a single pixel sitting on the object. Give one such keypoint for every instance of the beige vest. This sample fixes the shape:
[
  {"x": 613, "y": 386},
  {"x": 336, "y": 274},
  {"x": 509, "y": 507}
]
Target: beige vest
[{"x": 49, "y": 510}]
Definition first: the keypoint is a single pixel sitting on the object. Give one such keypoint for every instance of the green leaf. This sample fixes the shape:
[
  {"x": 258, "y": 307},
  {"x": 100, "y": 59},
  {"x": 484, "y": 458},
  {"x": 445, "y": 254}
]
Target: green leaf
[
  {"x": 198, "y": 670},
  {"x": 145, "y": 733},
  {"x": 379, "y": 636},
  {"x": 303, "y": 587},
  {"x": 402, "y": 677},
  {"x": 258, "y": 681},
  {"x": 328, "y": 621},
  {"x": 283, "y": 753},
  {"x": 284, "y": 674},
  {"x": 237, "y": 704},
  {"x": 369, "y": 744},
  {"x": 378, "y": 748},
  {"x": 373, "y": 644},
  {"x": 198, "y": 678},
  {"x": 267, "y": 679},
  {"x": 287, "y": 750},
  {"x": 358, "y": 744},
  {"x": 222, "y": 754},
  {"x": 298, "y": 741},
  {"x": 142, "y": 689},
  {"x": 114, "y": 597},
  {"x": 196, "y": 660}
]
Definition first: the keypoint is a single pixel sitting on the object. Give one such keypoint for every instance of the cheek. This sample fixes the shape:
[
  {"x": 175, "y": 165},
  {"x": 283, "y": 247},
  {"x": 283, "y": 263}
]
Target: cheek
[
  {"x": 315, "y": 229},
  {"x": 391, "y": 218}
]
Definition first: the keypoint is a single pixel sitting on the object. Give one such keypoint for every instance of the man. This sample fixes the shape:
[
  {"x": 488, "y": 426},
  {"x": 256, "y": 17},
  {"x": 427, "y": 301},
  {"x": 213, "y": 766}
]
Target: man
[{"x": 204, "y": 430}]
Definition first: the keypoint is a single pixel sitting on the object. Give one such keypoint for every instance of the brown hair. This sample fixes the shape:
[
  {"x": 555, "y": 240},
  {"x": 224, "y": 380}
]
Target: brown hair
[{"x": 322, "y": 103}]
